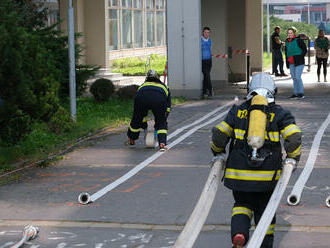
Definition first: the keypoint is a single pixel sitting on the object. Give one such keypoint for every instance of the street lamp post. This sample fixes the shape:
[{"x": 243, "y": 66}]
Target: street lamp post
[
  {"x": 268, "y": 34},
  {"x": 308, "y": 12},
  {"x": 72, "y": 73}
]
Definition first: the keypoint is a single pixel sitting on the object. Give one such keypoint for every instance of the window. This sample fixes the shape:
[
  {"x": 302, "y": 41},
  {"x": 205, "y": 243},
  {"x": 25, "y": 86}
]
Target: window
[
  {"x": 160, "y": 15},
  {"x": 160, "y": 4},
  {"x": 138, "y": 28},
  {"x": 126, "y": 27},
  {"x": 137, "y": 4},
  {"x": 113, "y": 3},
  {"x": 136, "y": 23},
  {"x": 150, "y": 4},
  {"x": 150, "y": 29},
  {"x": 113, "y": 29}
]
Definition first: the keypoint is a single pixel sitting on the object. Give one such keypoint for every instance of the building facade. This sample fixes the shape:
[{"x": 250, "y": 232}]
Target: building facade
[
  {"x": 118, "y": 28},
  {"x": 113, "y": 29}
]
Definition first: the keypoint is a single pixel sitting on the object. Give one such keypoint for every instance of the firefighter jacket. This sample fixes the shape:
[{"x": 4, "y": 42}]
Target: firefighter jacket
[
  {"x": 154, "y": 84},
  {"x": 241, "y": 173}
]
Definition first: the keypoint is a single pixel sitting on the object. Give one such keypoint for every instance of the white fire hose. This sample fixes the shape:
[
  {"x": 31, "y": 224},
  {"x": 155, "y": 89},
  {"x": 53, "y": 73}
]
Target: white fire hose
[
  {"x": 196, "y": 220},
  {"x": 29, "y": 233},
  {"x": 295, "y": 195},
  {"x": 266, "y": 218}
]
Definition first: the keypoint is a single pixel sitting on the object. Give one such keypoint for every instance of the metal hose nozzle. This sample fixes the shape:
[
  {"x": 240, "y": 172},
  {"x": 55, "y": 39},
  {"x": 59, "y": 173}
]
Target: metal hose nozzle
[
  {"x": 327, "y": 201},
  {"x": 84, "y": 198}
]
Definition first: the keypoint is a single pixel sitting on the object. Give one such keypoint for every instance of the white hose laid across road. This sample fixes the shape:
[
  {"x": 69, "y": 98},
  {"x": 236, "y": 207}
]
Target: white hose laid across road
[
  {"x": 196, "y": 220},
  {"x": 295, "y": 195},
  {"x": 267, "y": 216},
  {"x": 29, "y": 233},
  {"x": 85, "y": 198}
]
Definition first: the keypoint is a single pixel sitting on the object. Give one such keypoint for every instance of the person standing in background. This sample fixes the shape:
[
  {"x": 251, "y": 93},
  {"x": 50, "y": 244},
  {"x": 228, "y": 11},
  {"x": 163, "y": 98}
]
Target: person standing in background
[
  {"x": 321, "y": 54},
  {"x": 206, "y": 43},
  {"x": 277, "y": 52},
  {"x": 295, "y": 51}
]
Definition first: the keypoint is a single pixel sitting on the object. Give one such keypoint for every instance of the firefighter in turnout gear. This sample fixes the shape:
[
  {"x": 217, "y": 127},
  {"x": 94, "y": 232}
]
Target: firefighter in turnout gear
[
  {"x": 155, "y": 96},
  {"x": 254, "y": 163}
]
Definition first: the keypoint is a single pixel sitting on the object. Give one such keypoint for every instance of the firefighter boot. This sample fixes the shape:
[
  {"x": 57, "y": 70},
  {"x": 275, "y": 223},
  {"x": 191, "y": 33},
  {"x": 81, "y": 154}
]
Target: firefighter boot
[
  {"x": 162, "y": 147},
  {"x": 238, "y": 241}
]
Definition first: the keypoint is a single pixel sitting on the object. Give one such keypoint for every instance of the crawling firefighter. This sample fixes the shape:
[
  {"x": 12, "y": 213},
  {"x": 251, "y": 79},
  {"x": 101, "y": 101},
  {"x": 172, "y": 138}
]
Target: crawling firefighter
[
  {"x": 254, "y": 161},
  {"x": 155, "y": 96}
]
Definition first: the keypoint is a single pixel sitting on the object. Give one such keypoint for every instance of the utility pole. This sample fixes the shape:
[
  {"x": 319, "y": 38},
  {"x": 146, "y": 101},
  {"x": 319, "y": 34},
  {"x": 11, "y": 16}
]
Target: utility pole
[
  {"x": 72, "y": 73},
  {"x": 268, "y": 34},
  {"x": 308, "y": 17}
]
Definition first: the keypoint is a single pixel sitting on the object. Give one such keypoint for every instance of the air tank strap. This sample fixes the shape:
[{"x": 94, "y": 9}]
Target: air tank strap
[{"x": 261, "y": 107}]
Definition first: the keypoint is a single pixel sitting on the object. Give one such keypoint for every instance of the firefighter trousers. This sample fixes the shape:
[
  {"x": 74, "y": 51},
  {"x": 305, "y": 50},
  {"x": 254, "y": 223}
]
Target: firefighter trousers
[
  {"x": 156, "y": 102},
  {"x": 248, "y": 205}
]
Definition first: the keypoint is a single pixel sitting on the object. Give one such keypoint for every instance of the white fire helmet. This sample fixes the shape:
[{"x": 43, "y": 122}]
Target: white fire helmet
[
  {"x": 153, "y": 74},
  {"x": 262, "y": 84}
]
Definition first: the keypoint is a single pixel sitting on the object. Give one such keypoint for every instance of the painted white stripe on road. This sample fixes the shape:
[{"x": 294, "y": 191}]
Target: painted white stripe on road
[
  {"x": 149, "y": 160},
  {"x": 300, "y": 183}
]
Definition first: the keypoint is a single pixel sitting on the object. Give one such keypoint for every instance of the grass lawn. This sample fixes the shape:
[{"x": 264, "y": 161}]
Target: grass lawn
[
  {"x": 136, "y": 66},
  {"x": 91, "y": 116},
  {"x": 267, "y": 61}
]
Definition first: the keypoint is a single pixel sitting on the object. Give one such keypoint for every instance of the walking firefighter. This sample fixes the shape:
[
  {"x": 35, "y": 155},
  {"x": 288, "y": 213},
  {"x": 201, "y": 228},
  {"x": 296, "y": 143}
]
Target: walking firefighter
[
  {"x": 254, "y": 162},
  {"x": 152, "y": 95}
]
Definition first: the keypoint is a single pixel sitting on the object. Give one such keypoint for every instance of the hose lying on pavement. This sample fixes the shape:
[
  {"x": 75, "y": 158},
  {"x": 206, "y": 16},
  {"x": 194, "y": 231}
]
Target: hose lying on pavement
[
  {"x": 29, "y": 233},
  {"x": 196, "y": 220},
  {"x": 327, "y": 201},
  {"x": 266, "y": 218},
  {"x": 295, "y": 195}
]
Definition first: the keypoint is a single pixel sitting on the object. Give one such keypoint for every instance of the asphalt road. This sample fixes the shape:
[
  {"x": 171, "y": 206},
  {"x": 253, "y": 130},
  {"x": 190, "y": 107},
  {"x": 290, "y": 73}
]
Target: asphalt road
[{"x": 151, "y": 207}]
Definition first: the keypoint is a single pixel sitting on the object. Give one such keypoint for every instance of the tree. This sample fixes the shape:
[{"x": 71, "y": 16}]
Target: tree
[
  {"x": 308, "y": 29},
  {"x": 30, "y": 75}
]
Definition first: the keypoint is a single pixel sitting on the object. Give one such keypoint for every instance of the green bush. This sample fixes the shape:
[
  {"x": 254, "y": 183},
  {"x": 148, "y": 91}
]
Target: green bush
[
  {"x": 27, "y": 72},
  {"x": 14, "y": 123},
  {"x": 58, "y": 45},
  {"x": 127, "y": 92},
  {"x": 102, "y": 89},
  {"x": 60, "y": 122},
  {"x": 34, "y": 69}
]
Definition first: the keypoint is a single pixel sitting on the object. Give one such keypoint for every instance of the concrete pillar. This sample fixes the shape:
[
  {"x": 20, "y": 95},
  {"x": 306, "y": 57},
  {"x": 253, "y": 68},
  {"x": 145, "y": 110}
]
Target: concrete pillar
[
  {"x": 214, "y": 15},
  {"x": 327, "y": 11},
  {"x": 236, "y": 32},
  {"x": 90, "y": 21},
  {"x": 254, "y": 30},
  {"x": 183, "y": 48}
]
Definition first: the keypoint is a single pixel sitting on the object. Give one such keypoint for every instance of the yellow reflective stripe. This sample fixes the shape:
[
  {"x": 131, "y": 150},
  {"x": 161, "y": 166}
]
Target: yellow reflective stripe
[
  {"x": 295, "y": 153},
  {"x": 250, "y": 175},
  {"x": 242, "y": 210},
  {"x": 168, "y": 109},
  {"x": 289, "y": 130},
  {"x": 156, "y": 85},
  {"x": 225, "y": 128},
  {"x": 239, "y": 134},
  {"x": 216, "y": 148},
  {"x": 134, "y": 130},
  {"x": 274, "y": 136},
  {"x": 271, "y": 229},
  {"x": 161, "y": 131},
  {"x": 145, "y": 119}
]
